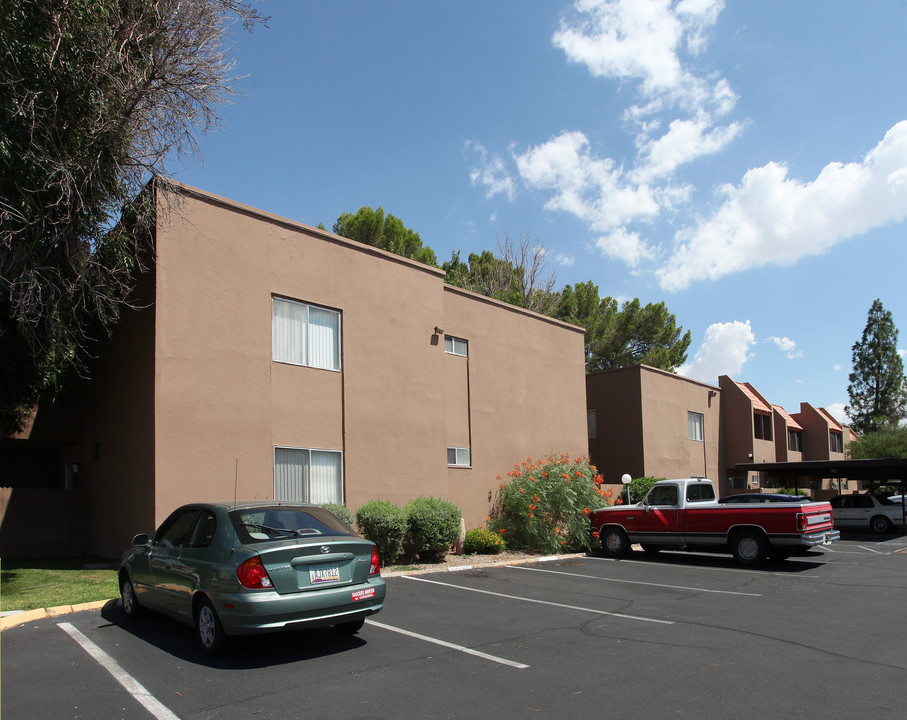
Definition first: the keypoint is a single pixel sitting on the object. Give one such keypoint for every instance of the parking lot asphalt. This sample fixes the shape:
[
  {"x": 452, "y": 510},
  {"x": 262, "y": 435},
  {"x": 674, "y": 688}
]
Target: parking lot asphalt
[{"x": 677, "y": 635}]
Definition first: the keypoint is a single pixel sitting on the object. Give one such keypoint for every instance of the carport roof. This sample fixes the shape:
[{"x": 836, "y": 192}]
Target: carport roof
[{"x": 873, "y": 469}]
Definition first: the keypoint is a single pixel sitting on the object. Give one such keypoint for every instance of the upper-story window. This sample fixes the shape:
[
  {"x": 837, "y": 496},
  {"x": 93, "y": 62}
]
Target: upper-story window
[
  {"x": 762, "y": 426},
  {"x": 695, "y": 423},
  {"x": 454, "y": 345},
  {"x": 795, "y": 441},
  {"x": 836, "y": 441},
  {"x": 305, "y": 335}
]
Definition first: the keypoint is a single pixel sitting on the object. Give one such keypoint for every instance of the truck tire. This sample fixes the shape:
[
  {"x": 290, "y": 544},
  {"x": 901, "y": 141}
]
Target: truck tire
[
  {"x": 615, "y": 543},
  {"x": 880, "y": 525},
  {"x": 749, "y": 547}
]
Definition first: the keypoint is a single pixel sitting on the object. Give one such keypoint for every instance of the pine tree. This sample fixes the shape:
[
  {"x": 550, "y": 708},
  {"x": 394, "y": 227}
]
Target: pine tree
[{"x": 877, "y": 389}]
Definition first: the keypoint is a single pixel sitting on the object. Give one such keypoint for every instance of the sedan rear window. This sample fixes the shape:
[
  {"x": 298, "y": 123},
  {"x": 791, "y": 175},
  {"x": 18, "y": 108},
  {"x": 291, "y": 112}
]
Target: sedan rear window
[{"x": 262, "y": 524}]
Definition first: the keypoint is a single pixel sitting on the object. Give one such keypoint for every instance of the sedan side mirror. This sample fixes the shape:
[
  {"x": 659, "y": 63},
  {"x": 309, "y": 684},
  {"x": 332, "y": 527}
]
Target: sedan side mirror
[{"x": 141, "y": 539}]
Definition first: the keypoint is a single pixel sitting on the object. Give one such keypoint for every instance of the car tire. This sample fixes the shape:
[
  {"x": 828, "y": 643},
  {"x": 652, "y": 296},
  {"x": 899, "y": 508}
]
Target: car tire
[
  {"x": 615, "y": 543},
  {"x": 881, "y": 525},
  {"x": 749, "y": 547},
  {"x": 129, "y": 599},
  {"x": 349, "y": 628},
  {"x": 208, "y": 629}
]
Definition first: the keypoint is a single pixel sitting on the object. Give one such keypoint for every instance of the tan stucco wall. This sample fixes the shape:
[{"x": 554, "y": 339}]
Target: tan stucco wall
[
  {"x": 221, "y": 404},
  {"x": 642, "y": 424}
]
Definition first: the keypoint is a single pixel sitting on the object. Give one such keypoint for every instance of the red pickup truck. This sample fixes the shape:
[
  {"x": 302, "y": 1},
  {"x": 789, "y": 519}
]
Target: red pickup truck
[{"x": 685, "y": 515}]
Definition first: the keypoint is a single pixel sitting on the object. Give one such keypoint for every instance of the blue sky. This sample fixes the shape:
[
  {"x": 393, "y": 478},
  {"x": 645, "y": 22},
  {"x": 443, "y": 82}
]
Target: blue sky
[{"x": 745, "y": 163}]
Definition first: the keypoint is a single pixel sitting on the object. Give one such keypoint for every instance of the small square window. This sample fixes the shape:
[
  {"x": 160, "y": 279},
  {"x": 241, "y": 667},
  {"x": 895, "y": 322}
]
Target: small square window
[
  {"x": 454, "y": 345},
  {"x": 458, "y": 457}
]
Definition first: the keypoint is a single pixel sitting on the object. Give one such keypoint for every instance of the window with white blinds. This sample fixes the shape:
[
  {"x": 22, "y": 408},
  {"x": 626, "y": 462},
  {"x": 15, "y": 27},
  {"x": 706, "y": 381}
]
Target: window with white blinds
[
  {"x": 305, "y": 335},
  {"x": 304, "y": 475}
]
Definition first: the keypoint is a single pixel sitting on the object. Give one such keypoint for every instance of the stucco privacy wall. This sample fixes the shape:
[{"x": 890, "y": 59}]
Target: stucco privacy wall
[{"x": 221, "y": 404}]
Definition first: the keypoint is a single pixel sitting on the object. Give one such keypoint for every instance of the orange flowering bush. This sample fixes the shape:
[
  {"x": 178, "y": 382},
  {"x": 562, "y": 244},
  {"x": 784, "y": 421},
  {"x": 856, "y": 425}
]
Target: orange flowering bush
[{"x": 544, "y": 504}]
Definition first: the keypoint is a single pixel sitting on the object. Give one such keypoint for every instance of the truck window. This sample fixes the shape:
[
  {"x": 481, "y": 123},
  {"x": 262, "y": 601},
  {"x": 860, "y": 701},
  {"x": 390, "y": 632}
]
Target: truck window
[
  {"x": 700, "y": 492},
  {"x": 663, "y": 495}
]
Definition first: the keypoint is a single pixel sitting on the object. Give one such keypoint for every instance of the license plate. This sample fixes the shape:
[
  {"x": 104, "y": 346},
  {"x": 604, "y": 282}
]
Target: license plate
[{"x": 323, "y": 574}]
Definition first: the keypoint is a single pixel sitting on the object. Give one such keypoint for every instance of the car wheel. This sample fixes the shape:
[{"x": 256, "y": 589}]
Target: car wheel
[
  {"x": 880, "y": 525},
  {"x": 209, "y": 631},
  {"x": 615, "y": 542},
  {"x": 749, "y": 548},
  {"x": 349, "y": 628},
  {"x": 128, "y": 598}
]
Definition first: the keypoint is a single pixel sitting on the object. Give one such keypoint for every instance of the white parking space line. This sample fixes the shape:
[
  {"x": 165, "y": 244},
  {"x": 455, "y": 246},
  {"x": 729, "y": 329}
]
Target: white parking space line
[
  {"x": 632, "y": 582},
  {"x": 132, "y": 686},
  {"x": 758, "y": 571},
  {"x": 541, "y": 602},
  {"x": 452, "y": 646}
]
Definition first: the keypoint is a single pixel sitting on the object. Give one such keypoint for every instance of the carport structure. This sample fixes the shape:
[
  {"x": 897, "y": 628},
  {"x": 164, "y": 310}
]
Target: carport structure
[{"x": 873, "y": 470}]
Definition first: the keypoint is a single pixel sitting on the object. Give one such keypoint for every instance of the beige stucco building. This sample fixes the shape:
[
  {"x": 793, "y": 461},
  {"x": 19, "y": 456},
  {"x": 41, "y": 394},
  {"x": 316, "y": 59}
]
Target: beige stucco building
[
  {"x": 272, "y": 359},
  {"x": 646, "y": 422}
]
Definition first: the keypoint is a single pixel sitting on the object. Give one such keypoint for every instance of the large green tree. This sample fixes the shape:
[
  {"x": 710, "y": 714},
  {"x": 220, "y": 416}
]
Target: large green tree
[
  {"x": 890, "y": 442},
  {"x": 620, "y": 336},
  {"x": 877, "y": 389},
  {"x": 384, "y": 231},
  {"x": 95, "y": 96}
]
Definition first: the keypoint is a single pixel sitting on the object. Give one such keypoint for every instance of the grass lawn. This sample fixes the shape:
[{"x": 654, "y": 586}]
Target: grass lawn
[{"x": 34, "y": 584}]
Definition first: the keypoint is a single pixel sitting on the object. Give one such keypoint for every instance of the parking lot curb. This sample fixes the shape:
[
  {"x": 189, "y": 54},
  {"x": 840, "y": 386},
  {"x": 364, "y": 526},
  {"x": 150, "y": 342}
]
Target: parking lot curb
[{"x": 27, "y": 616}]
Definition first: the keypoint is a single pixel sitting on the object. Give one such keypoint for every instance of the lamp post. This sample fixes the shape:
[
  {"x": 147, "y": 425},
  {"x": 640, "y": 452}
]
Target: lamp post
[{"x": 625, "y": 479}]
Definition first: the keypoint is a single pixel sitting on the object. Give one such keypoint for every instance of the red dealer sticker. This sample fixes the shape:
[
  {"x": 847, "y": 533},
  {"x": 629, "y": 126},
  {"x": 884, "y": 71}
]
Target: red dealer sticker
[{"x": 363, "y": 594}]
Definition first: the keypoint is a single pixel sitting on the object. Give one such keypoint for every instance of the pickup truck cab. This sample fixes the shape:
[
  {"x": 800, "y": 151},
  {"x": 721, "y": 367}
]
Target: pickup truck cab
[{"x": 685, "y": 514}]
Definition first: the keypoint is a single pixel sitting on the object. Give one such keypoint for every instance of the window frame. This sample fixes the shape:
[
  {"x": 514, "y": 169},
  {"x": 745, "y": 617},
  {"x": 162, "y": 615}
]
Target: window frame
[
  {"x": 454, "y": 342},
  {"x": 457, "y": 451},
  {"x": 592, "y": 424},
  {"x": 305, "y": 493},
  {"x": 307, "y": 331}
]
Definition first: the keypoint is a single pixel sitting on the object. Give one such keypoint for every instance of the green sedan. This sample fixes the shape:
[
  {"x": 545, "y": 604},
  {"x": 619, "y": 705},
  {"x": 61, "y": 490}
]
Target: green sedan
[{"x": 243, "y": 568}]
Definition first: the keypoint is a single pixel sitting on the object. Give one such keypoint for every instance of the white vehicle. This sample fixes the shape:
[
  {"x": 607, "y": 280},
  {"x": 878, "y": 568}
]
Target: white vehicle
[{"x": 867, "y": 512}]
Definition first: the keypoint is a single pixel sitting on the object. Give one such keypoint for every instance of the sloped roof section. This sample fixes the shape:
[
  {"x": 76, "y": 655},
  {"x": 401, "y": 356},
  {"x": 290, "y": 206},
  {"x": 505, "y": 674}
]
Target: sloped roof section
[
  {"x": 832, "y": 423},
  {"x": 791, "y": 423},
  {"x": 759, "y": 403}
]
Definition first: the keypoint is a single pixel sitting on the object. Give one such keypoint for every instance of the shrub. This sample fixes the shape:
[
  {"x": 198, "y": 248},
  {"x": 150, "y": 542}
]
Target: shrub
[
  {"x": 480, "y": 541},
  {"x": 640, "y": 486},
  {"x": 434, "y": 525},
  {"x": 546, "y": 504},
  {"x": 384, "y": 524},
  {"x": 342, "y": 512}
]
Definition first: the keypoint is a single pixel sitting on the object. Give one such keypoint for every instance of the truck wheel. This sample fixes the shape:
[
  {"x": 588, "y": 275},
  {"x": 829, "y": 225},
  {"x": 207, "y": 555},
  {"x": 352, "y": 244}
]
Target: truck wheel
[
  {"x": 749, "y": 548},
  {"x": 880, "y": 525},
  {"x": 615, "y": 542}
]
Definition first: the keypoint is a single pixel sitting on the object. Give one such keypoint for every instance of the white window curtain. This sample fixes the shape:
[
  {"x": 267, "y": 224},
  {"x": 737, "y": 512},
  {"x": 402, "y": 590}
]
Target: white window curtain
[
  {"x": 694, "y": 425},
  {"x": 302, "y": 475},
  {"x": 324, "y": 334},
  {"x": 288, "y": 332}
]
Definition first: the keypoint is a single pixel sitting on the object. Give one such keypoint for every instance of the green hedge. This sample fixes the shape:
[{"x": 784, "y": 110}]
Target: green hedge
[
  {"x": 434, "y": 525},
  {"x": 342, "y": 512},
  {"x": 384, "y": 524}
]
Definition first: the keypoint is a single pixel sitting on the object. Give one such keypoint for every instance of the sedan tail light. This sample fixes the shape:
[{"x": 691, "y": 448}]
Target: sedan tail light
[
  {"x": 252, "y": 574},
  {"x": 375, "y": 567}
]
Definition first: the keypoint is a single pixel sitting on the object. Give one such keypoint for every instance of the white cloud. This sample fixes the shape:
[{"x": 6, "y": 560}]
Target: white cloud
[
  {"x": 787, "y": 346},
  {"x": 772, "y": 219},
  {"x": 836, "y": 410},
  {"x": 563, "y": 259},
  {"x": 490, "y": 173},
  {"x": 724, "y": 351},
  {"x": 838, "y": 368}
]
